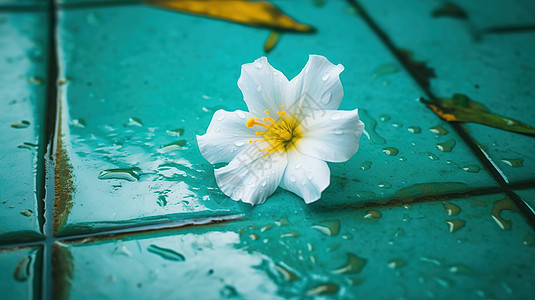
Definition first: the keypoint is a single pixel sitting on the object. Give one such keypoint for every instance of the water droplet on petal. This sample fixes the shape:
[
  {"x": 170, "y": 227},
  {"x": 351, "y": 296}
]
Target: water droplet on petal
[
  {"x": 335, "y": 116},
  {"x": 338, "y": 132},
  {"x": 221, "y": 117},
  {"x": 264, "y": 183},
  {"x": 258, "y": 65},
  {"x": 239, "y": 143},
  {"x": 217, "y": 129},
  {"x": 240, "y": 114},
  {"x": 327, "y": 97},
  {"x": 259, "y": 88},
  {"x": 297, "y": 166},
  {"x": 292, "y": 178},
  {"x": 325, "y": 76}
]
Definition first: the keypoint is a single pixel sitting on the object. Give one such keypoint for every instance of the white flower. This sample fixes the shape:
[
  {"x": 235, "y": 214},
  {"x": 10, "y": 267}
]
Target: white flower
[{"x": 291, "y": 129}]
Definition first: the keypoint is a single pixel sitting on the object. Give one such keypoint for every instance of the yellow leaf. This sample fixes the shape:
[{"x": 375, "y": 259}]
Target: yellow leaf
[
  {"x": 253, "y": 13},
  {"x": 271, "y": 41}
]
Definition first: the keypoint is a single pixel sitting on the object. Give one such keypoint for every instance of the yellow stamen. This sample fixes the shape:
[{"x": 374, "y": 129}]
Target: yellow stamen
[{"x": 281, "y": 134}]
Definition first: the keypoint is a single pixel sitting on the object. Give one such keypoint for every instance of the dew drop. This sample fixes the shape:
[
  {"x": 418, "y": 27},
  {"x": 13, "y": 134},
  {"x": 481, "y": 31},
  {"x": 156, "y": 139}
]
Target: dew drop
[
  {"x": 133, "y": 121},
  {"x": 396, "y": 263},
  {"x": 366, "y": 165},
  {"x": 131, "y": 174},
  {"x": 353, "y": 265},
  {"x": 254, "y": 236},
  {"x": 327, "y": 97},
  {"x": 283, "y": 221},
  {"x": 239, "y": 143},
  {"x": 391, "y": 151},
  {"x": 384, "y": 117},
  {"x": 528, "y": 240},
  {"x": 21, "y": 124},
  {"x": 325, "y": 76},
  {"x": 397, "y": 124},
  {"x": 372, "y": 214},
  {"x": 330, "y": 227},
  {"x": 369, "y": 128},
  {"x": 385, "y": 185},
  {"x": 290, "y": 234},
  {"x": 513, "y": 162},
  {"x": 402, "y": 158},
  {"x": 431, "y": 156},
  {"x": 292, "y": 178},
  {"x": 451, "y": 208},
  {"x": 172, "y": 146},
  {"x": 335, "y": 116},
  {"x": 217, "y": 129},
  {"x": 414, "y": 129},
  {"x": 446, "y": 146},
  {"x": 498, "y": 207},
  {"x": 297, "y": 166},
  {"x": 27, "y": 213},
  {"x": 472, "y": 168},
  {"x": 221, "y": 117},
  {"x": 259, "y": 88},
  {"x": 286, "y": 273},
  {"x": 338, "y": 132},
  {"x": 438, "y": 130},
  {"x": 264, "y": 183},
  {"x": 325, "y": 288},
  {"x": 176, "y": 132},
  {"x": 240, "y": 114},
  {"x": 455, "y": 225},
  {"x": 258, "y": 65}
]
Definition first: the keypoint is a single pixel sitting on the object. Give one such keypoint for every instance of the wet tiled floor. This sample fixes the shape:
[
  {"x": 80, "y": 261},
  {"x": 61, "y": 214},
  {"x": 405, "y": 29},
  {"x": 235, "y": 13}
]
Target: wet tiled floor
[{"x": 104, "y": 192}]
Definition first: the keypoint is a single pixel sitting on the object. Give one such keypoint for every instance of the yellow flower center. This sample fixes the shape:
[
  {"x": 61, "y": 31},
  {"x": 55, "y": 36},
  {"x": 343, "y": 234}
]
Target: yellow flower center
[{"x": 281, "y": 135}]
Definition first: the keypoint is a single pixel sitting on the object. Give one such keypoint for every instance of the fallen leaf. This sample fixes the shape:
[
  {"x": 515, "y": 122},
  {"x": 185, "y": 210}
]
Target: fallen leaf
[
  {"x": 271, "y": 41},
  {"x": 460, "y": 108},
  {"x": 253, "y": 13}
]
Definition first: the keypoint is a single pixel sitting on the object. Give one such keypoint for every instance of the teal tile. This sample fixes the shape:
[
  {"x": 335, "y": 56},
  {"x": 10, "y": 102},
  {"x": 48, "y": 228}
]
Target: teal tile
[
  {"x": 123, "y": 95},
  {"x": 428, "y": 250},
  {"x": 23, "y": 71},
  {"x": 20, "y": 273},
  {"x": 485, "y": 55},
  {"x": 33, "y": 3}
]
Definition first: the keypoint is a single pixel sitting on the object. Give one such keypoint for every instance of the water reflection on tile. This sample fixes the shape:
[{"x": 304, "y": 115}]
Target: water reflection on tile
[
  {"x": 23, "y": 37},
  {"x": 430, "y": 249},
  {"x": 20, "y": 273},
  {"x": 484, "y": 55}
]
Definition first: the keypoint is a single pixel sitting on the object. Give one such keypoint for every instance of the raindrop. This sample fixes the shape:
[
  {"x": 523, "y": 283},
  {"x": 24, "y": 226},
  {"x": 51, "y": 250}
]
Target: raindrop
[
  {"x": 338, "y": 132},
  {"x": 131, "y": 174},
  {"x": 385, "y": 185},
  {"x": 23, "y": 269},
  {"x": 446, "y": 146},
  {"x": 259, "y": 88},
  {"x": 264, "y": 183},
  {"x": 385, "y": 69},
  {"x": 166, "y": 253},
  {"x": 217, "y": 129},
  {"x": 292, "y": 178},
  {"x": 239, "y": 143},
  {"x": 369, "y": 128},
  {"x": 254, "y": 236},
  {"x": 498, "y": 207},
  {"x": 513, "y": 162},
  {"x": 327, "y": 97},
  {"x": 286, "y": 273},
  {"x": 21, "y": 124},
  {"x": 461, "y": 269},
  {"x": 258, "y": 65},
  {"x": 472, "y": 168},
  {"x": 325, "y": 76},
  {"x": 267, "y": 227},
  {"x": 402, "y": 158},
  {"x": 297, "y": 166},
  {"x": 172, "y": 146},
  {"x": 455, "y": 225},
  {"x": 326, "y": 288},
  {"x": 78, "y": 123},
  {"x": 176, "y": 132},
  {"x": 431, "y": 156},
  {"x": 438, "y": 130},
  {"x": 451, "y": 208},
  {"x": 335, "y": 116},
  {"x": 330, "y": 227},
  {"x": 528, "y": 240},
  {"x": 282, "y": 222},
  {"x": 353, "y": 265},
  {"x": 27, "y": 213},
  {"x": 221, "y": 117},
  {"x": 366, "y": 165},
  {"x": 397, "y": 124},
  {"x": 372, "y": 214},
  {"x": 396, "y": 263},
  {"x": 391, "y": 151},
  {"x": 290, "y": 234},
  {"x": 414, "y": 129},
  {"x": 121, "y": 250},
  {"x": 133, "y": 121},
  {"x": 384, "y": 117},
  {"x": 241, "y": 114}
]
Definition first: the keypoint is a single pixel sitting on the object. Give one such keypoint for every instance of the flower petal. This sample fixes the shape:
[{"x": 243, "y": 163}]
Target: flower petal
[
  {"x": 318, "y": 86},
  {"x": 250, "y": 176},
  {"x": 226, "y": 136},
  {"x": 331, "y": 135},
  {"x": 263, "y": 87},
  {"x": 305, "y": 176}
]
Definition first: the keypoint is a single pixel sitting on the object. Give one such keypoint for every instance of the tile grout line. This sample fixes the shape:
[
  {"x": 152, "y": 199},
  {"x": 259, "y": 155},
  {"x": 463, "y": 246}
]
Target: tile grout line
[
  {"x": 51, "y": 116},
  {"x": 525, "y": 210}
]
